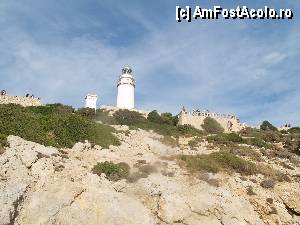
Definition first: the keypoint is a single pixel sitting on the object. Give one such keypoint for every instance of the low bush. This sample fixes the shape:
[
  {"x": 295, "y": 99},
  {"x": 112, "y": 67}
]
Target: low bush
[
  {"x": 211, "y": 126},
  {"x": 164, "y": 118},
  {"x": 3, "y": 140},
  {"x": 104, "y": 117},
  {"x": 258, "y": 143},
  {"x": 87, "y": 112},
  {"x": 189, "y": 130},
  {"x": 294, "y": 130},
  {"x": 225, "y": 139},
  {"x": 113, "y": 172},
  {"x": 127, "y": 117},
  {"x": 3, "y": 143},
  {"x": 244, "y": 151},
  {"x": 53, "y": 125},
  {"x": 268, "y": 183},
  {"x": 218, "y": 161},
  {"x": 193, "y": 143},
  {"x": 266, "y": 135}
]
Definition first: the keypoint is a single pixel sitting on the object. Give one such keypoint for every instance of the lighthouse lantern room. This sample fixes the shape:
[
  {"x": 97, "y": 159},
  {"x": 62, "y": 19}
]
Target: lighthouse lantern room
[{"x": 126, "y": 86}]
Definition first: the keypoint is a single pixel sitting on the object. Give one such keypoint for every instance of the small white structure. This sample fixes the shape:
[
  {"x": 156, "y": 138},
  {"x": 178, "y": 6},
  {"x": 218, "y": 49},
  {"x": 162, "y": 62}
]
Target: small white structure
[
  {"x": 126, "y": 86},
  {"x": 91, "y": 101}
]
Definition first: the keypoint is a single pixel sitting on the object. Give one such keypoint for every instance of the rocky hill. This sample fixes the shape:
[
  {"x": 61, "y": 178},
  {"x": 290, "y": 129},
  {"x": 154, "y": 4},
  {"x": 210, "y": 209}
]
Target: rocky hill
[{"x": 160, "y": 174}]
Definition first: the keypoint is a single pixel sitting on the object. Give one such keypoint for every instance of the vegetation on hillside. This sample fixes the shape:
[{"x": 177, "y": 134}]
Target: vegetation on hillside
[
  {"x": 210, "y": 125},
  {"x": 294, "y": 130},
  {"x": 3, "y": 142},
  {"x": 164, "y": 124},
  {"x": 113, "y": 172},
  {"x": 218, "y": 161},
  {"x": 53, "y": 125},
  {"x": 225, "y": 161}
]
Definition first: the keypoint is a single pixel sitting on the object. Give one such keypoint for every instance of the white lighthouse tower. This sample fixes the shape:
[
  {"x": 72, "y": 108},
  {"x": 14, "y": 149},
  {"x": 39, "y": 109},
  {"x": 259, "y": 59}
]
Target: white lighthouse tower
[{"x": 126, "y": 86}]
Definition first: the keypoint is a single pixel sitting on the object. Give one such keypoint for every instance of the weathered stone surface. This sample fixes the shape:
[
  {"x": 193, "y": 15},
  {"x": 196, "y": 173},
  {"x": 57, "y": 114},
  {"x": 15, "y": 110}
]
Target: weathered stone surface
[
  {"x": 290, "y": 195},
  {"x": 40, "y": 186}
]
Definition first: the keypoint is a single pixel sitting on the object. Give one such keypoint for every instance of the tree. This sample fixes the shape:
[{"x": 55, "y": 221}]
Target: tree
[
  {"x": 266, "y": 125},
  {"x": 167, "y": 118},
  {"x": 154, "y": 117},
  {"x": 211, "y": 126}
]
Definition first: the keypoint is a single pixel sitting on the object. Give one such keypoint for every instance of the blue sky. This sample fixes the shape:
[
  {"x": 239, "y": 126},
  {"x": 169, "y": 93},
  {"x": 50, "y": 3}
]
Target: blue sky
[{"x": 62, "y": 50}]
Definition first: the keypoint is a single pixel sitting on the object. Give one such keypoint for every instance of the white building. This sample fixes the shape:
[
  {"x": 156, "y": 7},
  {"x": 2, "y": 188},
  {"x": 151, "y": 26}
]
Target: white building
[
  {"x": 91, "y": 101},
  {"x": 126, "y": 86}
]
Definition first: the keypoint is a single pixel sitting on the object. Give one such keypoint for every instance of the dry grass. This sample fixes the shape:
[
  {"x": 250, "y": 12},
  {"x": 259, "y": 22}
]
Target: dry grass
[{"x": 218, "y": 161}]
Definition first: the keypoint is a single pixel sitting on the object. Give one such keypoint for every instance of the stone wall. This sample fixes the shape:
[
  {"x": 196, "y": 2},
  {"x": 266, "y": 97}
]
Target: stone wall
[
  {"x": 20, "y": 100},
  {"x": 196, "y": 119}
]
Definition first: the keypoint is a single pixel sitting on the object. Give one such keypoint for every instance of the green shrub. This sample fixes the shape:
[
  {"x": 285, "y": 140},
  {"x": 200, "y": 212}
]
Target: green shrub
[
  {"x": 266, "y": 135},
  {"x": 266, "y": 125},
  {"x": 154, "y": 117},
  {"x": 53, "y": 125},
  {"x": 294, "y": 130},
  {"x": 225, "y": 138},
  {"x": 49, "y": 109},
  {"x": 189, "y": 130},
  {"x": 168, "y": 118},
  {"x": 127, "y": 117},
  {"x": 218, "y": 161},
  {"x": 3, "y": 140},
  {"x": 113, "y": 172},
  {"x": 211, "y": 126},
  {"x": 258, "y": 143},
  {"x": 175, "y": 120},
  {"x": 164, "y": 118},
  {"x": 194, "y": 143},
  {"x": 87, "y": 112},
  {"x": 3, "y": 143},
  {"x": 104, "y": 117}
]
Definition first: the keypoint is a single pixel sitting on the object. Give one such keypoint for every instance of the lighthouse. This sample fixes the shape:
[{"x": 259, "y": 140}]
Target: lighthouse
[{"x": 126, "y": 86}]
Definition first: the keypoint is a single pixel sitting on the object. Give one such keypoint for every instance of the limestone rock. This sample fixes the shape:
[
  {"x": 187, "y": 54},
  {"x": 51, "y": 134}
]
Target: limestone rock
[
  {"x": 42, "y": 206},
  {"x": 10, "y": 198},
  {"x": 38, "y": 185},
  {"x": 290, "y": 195}
]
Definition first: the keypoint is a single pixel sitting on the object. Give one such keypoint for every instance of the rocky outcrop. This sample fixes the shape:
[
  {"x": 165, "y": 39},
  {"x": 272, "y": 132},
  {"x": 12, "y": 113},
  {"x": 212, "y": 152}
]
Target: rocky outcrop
[{"x": 45, "y": 185}]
